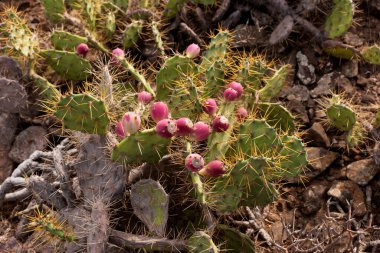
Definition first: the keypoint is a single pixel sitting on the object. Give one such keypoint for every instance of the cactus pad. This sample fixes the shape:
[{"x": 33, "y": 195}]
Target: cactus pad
[
  {"x": 132, "y": 33},
  {"x": 251, "y": 73},
  {"x": 150, "y": 204},
  {"x": 200, "y": 242},
  {"x": 82, "y": 112},
  {"x": 67, "y": 64},
  {"x": 172, "y": 7},
  {"x": 340, "y": 18},
  {"x": 144, "y": 146},
  {"x": 54, "y": 9},
  {"x": 235, "y": 241},
  {"x": 274, "y": 84},
  {"x": 338, "y": 49},
  {"x": 277, "y": 116},
  {"x": 292, "y": 157},
  {"x": 341, "y": 117},
  {"x": 216, "y": 51},
  {"x": 45, "y": 89},
  {"x": 371, "y": 54},
  {"x": 62, "y": 40},
  {"x": 224, "y": 197}
]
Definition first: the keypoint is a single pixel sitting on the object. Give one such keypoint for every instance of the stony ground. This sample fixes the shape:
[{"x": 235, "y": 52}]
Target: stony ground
[{"x": 334, "y": 207}]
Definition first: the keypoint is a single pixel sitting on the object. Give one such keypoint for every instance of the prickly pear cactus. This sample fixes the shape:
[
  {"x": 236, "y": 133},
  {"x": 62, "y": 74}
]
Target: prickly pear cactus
[
  {"x": 340, "y": 18},
  {"x": 201, "y": 242}
]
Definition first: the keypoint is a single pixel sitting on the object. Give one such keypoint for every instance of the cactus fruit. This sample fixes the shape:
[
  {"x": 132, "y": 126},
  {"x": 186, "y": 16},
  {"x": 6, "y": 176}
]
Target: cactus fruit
[
  {"x": 82, "y": 49},
  {"x": 118, "y": 55},
  {"x": 193, "y": 51},
  {"x": 131, "y": 122},
  {"x": 371, "y": 54},
  {"x": 144, "y": 97},
  {"x": 213, "y": 169},
  {"x": 194, "y": 162},
  {"x": 166, "y": 128},
  {"x": 84, "y": 113},
  {"x": 220, "y": 124},
  {"x": 209, "y": 106},
  {"x": 119, "y": 130},
  {"x": 201, "y": 131},
  {"x": 62, "y": 40},
  {"x": 159, "y": 111},
  {"x": 340, "y": 19},
  {"x": 236, "y": 86},
  {"x": 201, "y": 242},
  {"x": 184, "y": 127},
  {"x": 241, "y": 113},
  {"x": 230, "y": 94},
  {"x": 151, "y": 204}
]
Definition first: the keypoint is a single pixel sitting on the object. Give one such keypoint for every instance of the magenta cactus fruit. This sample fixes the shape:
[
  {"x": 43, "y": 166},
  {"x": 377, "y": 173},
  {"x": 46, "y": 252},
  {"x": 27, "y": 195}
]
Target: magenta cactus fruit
[
  {"x": 119, "y": 130},
  {"x": 193, "y": 51},
  {"x": 220, "y": 124},
  {"x": 209, "y": 106},
  {"x": 144, "y": 97},
  {"x": 194, "y": 162},
  {"x": 166, "y": 128},
  {"x": 236, "y": 86},
  {"x": 159, "y": 111},
  {"x": 241, "y": 113},
  {"x": 131, "y": 122},
  {"x": 201, "y": 131},
  {"x": 230, "y": 94},
  {"x": 82, "y": 49},
  {"x": 213, "y": 169},
  {"x": 184, "y": 126},
  {"x": 118, "y": 55}
]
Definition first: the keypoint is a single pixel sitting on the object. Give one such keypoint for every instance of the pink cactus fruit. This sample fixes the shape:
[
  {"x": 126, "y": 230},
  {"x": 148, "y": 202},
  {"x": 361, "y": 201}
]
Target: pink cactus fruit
[
  {"x": 236, "y": 86},
  {"x": 213, "y": 169},
  {"x": 159, "y": 111},
  {"x": 131, "y": 122},
  {"x": 144, "y": 97},
  {"x": 241, "y": 113},
  {"x": 119, "y": 130},
  {"x": 201, "y": 131},
  {"x": 220, "y": 124},
  {"x": 193, "y": 51},
  {"x": 118, "y": 55},
  {"x": 184, "y": 126},
  {"x": 230, "y": 94},
  {"x": 194, "y": 162},
  {"x": 166, "y": 128},
  {"x": 209, "y": 106},
  {"x": 82, "y": 49}
]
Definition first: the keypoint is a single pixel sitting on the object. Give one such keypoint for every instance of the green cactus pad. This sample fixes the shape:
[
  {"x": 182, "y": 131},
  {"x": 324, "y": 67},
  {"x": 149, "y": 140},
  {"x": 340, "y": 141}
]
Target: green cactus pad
[
  {"x": 216, "y": 51},
  {"x": 46, "y": 90},
  {"x": 235, "y": 241},
  {"x": 157, "y": 37},
  {"x": 224, "y": 197},
  {"x": 214, "y": 79},
  {"x": 371, "y": 54},
  {"x": 341, "y": 117},
  {"x": 132, "y": 33},
  {"x": 173, "y": 7},
  {"x": 206, "y": 2},
  {"x": 277, "y": 116},
  {"x": 139, "y": 77},
  {"x": 339, "y": 50},
  {"x": 251, "y": 73},
  {"x": 67, "y": 64},
  {"x": 376, "y": 122},
  {"x": 173, "y": 69},
  {"x": 54, "y": 9},
  {"x": 150, "y": 204},
  {"x": 218, "y": 143},
  {"x": 340, "y": 19},
  {"x": 200, "y": 242},
  {"x": 355, "y": 136},
  {"x": 82, "y": 112},
  {"x": 292, "y": 157},
  {"x": 62, "y": 40},
  {"x": 257, "y": 136},
  {"x": 274, "y": 85},
  {"x": 144, "y": 146},
  {"x": 110, "y": 24}
]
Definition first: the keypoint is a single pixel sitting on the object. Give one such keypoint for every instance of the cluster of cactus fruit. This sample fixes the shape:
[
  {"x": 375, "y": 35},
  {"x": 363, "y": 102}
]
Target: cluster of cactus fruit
[{"x": 214, "y": 114}]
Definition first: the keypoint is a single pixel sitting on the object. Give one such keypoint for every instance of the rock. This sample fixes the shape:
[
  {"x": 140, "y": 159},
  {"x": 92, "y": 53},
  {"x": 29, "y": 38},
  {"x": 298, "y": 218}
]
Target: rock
[
  {"x": 316, "y": 135},
  {"x": 344, "y": 84},
  {"x": 324, "y": 86},
  {"x": 350, "y": 68},
  {"x": 13, "y": 97},
  {"x": 6, "y": 165},
  {"x": 346, "y": 190},
  {"x": 352, "y": 39},
  {"x": 361, "y": 172},
  {"x": 31, "y": 139},
  {"x": 340, "y": 244},
  {"x": 10, "y": 245},
  {"x": 297, "y": 108},
  {"x": 312, "y": 197},
  {"x": 8, "y": 127},
  {"x": 298, "y": 93},
  {"x": 319, "y": 159},
  {"x": 376, "y": 153},
  {"x": 10, "y": 68},
  {"x": 306, "y": 71}
]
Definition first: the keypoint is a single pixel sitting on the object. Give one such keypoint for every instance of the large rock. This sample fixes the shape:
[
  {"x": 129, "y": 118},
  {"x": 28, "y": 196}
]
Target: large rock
[
  {"x": 31, "y": 139},
  {"x": 8, "y": 127},
  {"x": 10, "y": 68},
  {"x": 6, "y": 165},
  {"x": 362, "y": 171},
  {"x": 13, "y": 97},
  {"x": 316, "y": 135},
  {"x": 319, "y": 159}
]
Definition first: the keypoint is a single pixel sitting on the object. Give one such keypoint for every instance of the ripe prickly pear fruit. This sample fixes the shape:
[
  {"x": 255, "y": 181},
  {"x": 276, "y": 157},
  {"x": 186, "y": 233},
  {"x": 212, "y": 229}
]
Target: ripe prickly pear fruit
[
  {"x": 209, "y": 106},
  {"x": 82, "y": 49},
  {"x": 159, "y": 111},
  {"x": 166, "y": 128},
  {"x": 184, "y": 126},
  {"x": 131, "y": 122},
  {"x": 194, "y": 162},
  {"x": 230, "y": 94},
  {"x": 213, "y": 169},
  {"x": 118, "y": 55},
  {"x": 220, "y": 124},
  {"x": 119, "y": 130},
  {"x": 241, "y": 113},
  {"x": 144, "y": 97},
  {"x": 236, "y": 86},
  {"x": 201, "y": 131},
  {"x": 193, "y": 51}
]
